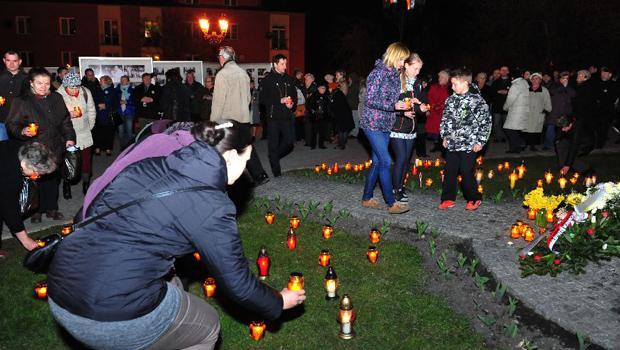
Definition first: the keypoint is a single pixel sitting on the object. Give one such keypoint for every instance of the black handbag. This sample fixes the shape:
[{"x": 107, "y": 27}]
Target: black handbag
[
  {"x": 117, "y": 118},
  {"x": 72, "y": 164},
  {"x": 28, "y": 197},
  {"x": 39, "y": 259}
]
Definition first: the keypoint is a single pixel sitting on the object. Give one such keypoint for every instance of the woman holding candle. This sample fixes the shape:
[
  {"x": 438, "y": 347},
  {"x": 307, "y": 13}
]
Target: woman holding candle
[
  {"x": 81, "y": 106},
  {"x": 16, "y": 161},
  {"x": 129, "y": 305},
  {"x": 403, "y": 134},
  {"x": 46, "y": 111},
  {"x": 382, "y": 91}
]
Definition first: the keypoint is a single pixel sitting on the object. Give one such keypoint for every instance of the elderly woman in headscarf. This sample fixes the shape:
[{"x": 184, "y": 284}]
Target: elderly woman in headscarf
[{"x": 81, "y": 106}]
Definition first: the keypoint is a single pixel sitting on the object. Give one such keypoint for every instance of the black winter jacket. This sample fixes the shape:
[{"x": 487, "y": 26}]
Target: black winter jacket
[
  {"x": 404, "y": 124},
  {"x": 147, "y": 110},
  {"x": 50, "y": 114},
  {"x": 11, "y": 87},
  {"x": 114, "y": 268},
  {"x": 272, "y": 88}
]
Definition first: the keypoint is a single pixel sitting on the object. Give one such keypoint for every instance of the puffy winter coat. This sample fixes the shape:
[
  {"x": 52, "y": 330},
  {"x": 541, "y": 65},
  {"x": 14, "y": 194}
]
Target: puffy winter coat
[
  {"x": 560, "y": 102},
  {"x": 466, "y": 121},
  {"x": 540, "y": 102},
  {"x": 518, "y": 105},
  {"x": 113, "y": 269},
  {"x": 84, "y": 124},
  {"x": 382, "y": 91}
]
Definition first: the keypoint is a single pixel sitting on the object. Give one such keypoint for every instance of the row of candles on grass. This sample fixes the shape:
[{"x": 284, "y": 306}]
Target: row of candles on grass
[{"x": 335, "y": 168}]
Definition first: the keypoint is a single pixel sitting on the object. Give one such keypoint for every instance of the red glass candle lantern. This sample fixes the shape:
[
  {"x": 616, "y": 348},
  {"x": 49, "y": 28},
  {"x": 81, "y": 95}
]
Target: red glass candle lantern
[
  {"x": 294, "y": 221},
  {"x": 66, "y": 229},
  {"x": 257, "y": 330},
  {"x": 328, "y": 230},
  {"x": 296, "y": 281},
  {"x": 539, "y": 183},
  {"x": 373, "y": 254},
  {"x": 347, "y": 166},
  {"x": 291, "y": 239},
  {"x": 317, "y": 169},
  {"x": 270, "y": 218},
  {"x": 531, "y": 213},
  {"x": 40, "y": 290},
  {"x": 336, "y": 168},
  {"x": 374, "y": 236},
  {"x": 263, "y": 263},
  {"x": 33, "y": 128},
  {"x": 196, "y": 256},
  {"x": 515, "y": 232},
  {"x": 550, "y": 216},
  {"x": 209, "y": 287},
  {"x": 324, "y": 258},
  {"x": 414, "y": 170}
]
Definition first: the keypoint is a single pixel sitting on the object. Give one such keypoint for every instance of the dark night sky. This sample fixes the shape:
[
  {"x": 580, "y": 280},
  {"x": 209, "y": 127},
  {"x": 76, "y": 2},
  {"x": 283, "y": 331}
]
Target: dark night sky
[{"x": 479, "y": 34}]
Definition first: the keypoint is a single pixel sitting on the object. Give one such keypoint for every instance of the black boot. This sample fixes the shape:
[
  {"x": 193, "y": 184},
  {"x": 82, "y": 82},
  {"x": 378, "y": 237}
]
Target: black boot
[
  {"x": 85, "y": 185},
  {"x": 66, "y": 190}
]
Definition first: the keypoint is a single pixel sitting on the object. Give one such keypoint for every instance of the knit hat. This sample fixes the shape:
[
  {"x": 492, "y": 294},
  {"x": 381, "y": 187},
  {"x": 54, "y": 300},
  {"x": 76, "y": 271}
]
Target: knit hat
[
  {"x": 71, "y": 79},
  {"x": 536, "y": 74}
]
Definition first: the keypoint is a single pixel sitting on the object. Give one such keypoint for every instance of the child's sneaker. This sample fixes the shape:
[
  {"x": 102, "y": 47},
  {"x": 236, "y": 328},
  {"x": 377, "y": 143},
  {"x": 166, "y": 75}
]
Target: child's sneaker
[
  {"x": 446, "y": 204},
  {"x": 400, "y": 196},
  {"x": 471, "y": 205}
]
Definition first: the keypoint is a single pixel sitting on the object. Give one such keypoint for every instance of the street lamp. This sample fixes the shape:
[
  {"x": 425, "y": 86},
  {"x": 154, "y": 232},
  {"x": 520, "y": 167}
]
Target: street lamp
[{"x": 214, "y": 38}]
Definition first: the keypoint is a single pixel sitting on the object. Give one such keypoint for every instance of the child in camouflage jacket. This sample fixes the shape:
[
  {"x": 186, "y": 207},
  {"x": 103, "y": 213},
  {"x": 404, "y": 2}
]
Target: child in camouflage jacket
[{"x": 465, "y": 129}]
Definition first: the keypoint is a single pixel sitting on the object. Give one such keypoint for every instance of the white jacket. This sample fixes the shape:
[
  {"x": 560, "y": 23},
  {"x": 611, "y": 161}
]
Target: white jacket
[
  {"x": 539, "y": 103},
  {"x": 86, "y": 122},
  {"x": 231, "y": 94},
  {"x": 518, "y": 105}
]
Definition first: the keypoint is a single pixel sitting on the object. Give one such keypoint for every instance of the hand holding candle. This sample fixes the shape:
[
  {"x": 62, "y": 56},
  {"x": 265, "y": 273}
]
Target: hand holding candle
[{"x": 31, "y": 130}]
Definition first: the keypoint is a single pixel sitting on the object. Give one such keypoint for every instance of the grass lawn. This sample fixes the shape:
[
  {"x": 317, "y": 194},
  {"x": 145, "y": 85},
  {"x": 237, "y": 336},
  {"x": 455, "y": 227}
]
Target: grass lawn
[
  {"x": 394, "y": 309},
  {"x": 606, "y": 166}
]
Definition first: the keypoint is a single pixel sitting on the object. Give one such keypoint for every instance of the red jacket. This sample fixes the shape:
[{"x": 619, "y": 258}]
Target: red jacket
[{"x": 437, "y": 96}]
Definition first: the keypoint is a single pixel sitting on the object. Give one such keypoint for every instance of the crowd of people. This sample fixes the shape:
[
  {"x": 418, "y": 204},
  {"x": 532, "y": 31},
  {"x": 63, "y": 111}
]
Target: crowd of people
[{"x": 200, "y": 140}]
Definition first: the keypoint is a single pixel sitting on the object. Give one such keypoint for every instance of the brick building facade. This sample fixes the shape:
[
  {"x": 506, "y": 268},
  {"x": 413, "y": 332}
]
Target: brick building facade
[{"x": 57, "y": 33}]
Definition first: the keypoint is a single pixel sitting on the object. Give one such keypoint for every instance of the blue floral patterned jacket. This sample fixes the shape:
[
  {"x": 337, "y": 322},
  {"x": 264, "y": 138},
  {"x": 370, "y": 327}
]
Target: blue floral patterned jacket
[{"x": 382, "y": 91}]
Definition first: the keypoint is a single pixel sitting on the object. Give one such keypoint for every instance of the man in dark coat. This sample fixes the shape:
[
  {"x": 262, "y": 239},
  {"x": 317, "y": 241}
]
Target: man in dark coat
[
  {"x": 176, "y": 98},
  {"x": 279, "y": 96},
  {"x": 606, "y": 92},
  {"x": 13, "y": 83},
  {"x": 197, "y": 93},
  {"x": 499, "y": 92},
  {"x": 146, "y": 98}
]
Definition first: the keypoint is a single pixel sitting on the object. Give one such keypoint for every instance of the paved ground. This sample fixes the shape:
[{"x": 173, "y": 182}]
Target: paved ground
[{"x": 589, "y": 304}]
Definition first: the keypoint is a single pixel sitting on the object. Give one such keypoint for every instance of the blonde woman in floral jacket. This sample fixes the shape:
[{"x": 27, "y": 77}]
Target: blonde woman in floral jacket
[{"x": 81, "y": 106}]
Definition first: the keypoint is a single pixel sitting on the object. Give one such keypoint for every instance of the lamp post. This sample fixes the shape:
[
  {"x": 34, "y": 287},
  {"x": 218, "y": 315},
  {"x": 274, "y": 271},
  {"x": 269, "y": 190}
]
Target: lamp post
[{"x": 214, "y": 38}]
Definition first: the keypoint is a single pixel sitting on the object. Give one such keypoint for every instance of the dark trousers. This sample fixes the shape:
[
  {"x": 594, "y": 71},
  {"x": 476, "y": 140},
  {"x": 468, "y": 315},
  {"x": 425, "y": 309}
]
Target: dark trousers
[
  {"x": 342, "y": 139},
  {"x": 308, "y": 132},
  {"x": 320, "y": 128},
  {"x": 299, "y": 128},
  {"x": 254, "y": 166},
  {"x": 281, "y": 141},
  {"x": 420, "y": 145},
  {"x": 103, "y": 136},
  {"x": 402, "y": 154},
  {"x": 602, "y": 129},
  {"x": 532, "y": 138},
  {"x": 48, "y": 191},
  {"x": 459, "y": 163},
  {"x": 515, "y": 142}
]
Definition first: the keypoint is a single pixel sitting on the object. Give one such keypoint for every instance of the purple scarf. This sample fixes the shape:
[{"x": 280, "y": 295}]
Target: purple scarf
[{"x": 158, "y": 145}]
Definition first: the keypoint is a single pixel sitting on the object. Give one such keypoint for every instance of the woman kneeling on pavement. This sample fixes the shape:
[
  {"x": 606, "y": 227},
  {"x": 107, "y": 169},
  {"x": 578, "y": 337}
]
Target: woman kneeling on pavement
[{"x": 107, "y": 283}]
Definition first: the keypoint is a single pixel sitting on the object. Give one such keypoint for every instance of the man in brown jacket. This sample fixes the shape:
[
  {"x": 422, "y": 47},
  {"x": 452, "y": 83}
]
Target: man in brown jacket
[{"x": 231, "y": 100}]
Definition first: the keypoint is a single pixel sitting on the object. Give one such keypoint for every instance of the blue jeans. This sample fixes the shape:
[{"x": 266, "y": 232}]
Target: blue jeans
[
  {"x": 549, "y": 139},
  {"x": 402, "y": 150},
  {"x": 380, "y": 168},
  {"x": 3, "y": 133},
  {"x": 125, "y": 130}
]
